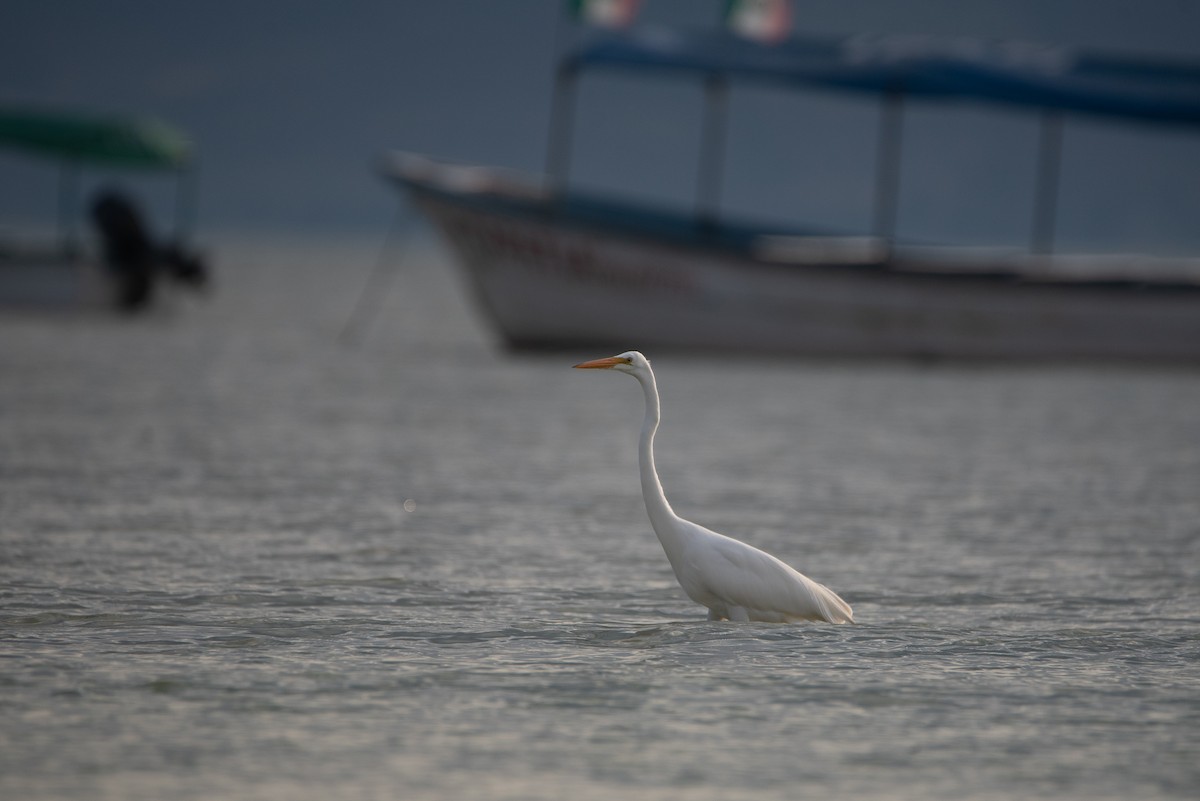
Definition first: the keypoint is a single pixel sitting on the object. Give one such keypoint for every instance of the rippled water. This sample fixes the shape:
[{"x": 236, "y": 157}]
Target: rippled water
[{"x": 240, "y": 559}]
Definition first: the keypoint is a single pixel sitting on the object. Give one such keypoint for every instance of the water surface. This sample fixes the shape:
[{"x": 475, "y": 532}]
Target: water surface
[{"x": 240, "y": 559}]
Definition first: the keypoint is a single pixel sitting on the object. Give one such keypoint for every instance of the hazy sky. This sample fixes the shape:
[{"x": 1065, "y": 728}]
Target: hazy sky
[{"x": 291, "y": 102}]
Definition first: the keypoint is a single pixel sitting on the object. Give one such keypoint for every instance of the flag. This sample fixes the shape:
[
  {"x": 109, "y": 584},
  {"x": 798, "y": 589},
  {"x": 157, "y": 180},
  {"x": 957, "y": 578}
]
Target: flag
[
  {"x": 768, "y": 21},
  {"x": 605, "y": 13}
]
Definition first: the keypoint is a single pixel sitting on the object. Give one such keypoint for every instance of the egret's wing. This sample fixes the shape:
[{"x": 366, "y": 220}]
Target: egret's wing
[{"x": 747, "y": 577}]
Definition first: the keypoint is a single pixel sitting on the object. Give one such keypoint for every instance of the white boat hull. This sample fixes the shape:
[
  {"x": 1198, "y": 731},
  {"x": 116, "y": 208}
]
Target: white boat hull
[
  {"x": 557, "y": 276},
  {"x": 53, "y": 282}
]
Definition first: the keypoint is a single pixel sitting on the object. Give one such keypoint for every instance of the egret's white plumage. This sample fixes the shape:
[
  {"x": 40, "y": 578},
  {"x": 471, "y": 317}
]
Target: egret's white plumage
[{"x": 734, "y": 580}]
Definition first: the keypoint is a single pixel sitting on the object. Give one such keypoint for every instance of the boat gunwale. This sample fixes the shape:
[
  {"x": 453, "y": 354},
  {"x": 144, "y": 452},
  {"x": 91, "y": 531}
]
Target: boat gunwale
[{"x": 643, "y": 222}]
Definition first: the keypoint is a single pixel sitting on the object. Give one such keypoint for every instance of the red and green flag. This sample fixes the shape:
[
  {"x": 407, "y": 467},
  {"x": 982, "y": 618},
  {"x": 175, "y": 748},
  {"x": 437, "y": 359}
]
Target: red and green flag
[
  {"x": 767, "y": 21},
  {"x": 605, "y": 13}
]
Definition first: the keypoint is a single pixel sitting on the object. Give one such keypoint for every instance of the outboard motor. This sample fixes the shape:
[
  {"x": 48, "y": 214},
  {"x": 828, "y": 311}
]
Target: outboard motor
[
  {"x": 132, "y": 257},
  {"x": 129, "y": 253}
]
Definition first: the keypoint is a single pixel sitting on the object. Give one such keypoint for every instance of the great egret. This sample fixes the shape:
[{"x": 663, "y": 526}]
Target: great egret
[{"x": 734, "y": 580}]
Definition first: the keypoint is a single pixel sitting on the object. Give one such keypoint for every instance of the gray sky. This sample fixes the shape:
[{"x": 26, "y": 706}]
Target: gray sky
[{"x": 290, "y": 102}]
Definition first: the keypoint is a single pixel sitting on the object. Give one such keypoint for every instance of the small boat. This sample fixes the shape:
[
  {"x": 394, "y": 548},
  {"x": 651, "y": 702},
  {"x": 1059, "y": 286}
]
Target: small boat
[
  {"x": 131, "y": 263},
  {"x": 553, "y": 267}
]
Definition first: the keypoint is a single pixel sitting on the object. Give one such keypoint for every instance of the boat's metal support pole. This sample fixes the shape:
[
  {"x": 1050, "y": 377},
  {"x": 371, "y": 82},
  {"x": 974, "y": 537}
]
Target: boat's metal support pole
[
  {"x": 712, "y": 150},
  {"x": 887, "y": 166},
  {"x": 562, "y": 119},
  {"x": 1045, "y": 202}
]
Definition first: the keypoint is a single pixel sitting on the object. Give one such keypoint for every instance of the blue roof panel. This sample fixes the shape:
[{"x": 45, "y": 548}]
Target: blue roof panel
[{"x": 1012, "y": 73}]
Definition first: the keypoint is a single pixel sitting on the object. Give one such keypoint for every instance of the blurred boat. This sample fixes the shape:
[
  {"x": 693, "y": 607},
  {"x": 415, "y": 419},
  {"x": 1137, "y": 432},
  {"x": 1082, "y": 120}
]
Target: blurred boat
[
  {"x": 127, "y": 268},
  {"x": 554, "y": 268}
]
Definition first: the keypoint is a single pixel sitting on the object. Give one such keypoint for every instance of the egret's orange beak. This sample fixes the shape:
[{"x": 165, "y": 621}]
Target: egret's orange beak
[{"x": 602, "y": 364}]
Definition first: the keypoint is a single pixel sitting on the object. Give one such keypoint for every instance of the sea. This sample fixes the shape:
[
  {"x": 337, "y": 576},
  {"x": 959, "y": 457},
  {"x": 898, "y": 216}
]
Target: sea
[{"x": 317, "y": 535}]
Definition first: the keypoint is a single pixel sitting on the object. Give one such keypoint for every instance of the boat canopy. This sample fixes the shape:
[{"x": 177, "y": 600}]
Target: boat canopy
[
  {"x": 137, "y": 142},
  {"x": 1043, "y": 77},
  {"x": 74, "y": 140}
]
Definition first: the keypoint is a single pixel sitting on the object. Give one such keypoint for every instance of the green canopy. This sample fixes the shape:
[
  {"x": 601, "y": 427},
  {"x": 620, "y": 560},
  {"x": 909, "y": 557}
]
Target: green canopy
[{"x": 136, "y": 142}]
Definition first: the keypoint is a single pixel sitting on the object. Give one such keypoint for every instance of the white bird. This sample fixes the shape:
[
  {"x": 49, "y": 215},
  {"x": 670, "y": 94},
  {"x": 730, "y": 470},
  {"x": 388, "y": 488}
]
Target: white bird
[{"x": 734, "y": 580}]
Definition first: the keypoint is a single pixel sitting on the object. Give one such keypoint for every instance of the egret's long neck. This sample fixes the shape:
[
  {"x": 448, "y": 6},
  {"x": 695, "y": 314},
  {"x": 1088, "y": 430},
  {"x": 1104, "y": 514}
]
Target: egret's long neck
[{"x": 661, "y": 515}]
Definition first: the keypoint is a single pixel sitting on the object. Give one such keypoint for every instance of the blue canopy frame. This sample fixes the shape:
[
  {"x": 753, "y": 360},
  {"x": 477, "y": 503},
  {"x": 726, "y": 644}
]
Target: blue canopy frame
[
  {"x": 1054, "y": 81},
  {"x": 1015, "y": 73}
]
